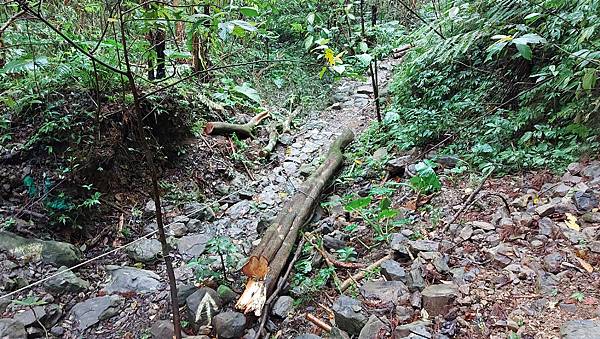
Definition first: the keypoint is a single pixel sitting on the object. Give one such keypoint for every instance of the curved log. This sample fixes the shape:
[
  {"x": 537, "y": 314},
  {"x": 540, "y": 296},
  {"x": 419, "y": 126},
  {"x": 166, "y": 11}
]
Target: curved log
[{"x": 241, "y": 130}]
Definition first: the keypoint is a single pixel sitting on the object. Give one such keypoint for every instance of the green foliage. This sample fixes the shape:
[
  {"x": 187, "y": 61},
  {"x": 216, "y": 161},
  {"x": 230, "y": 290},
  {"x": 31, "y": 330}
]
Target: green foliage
[
  {"x": 578, "y": 296},
  {"x": 219, "y": 250},
  {"x": 425, "y": 181},
  {"x": 513, "y": 83},
  {"x": 347, "y": 253}
]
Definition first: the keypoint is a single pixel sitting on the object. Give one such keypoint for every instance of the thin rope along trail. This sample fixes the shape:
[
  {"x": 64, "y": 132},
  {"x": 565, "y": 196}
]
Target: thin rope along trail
[{"x": 114, "y": 250}]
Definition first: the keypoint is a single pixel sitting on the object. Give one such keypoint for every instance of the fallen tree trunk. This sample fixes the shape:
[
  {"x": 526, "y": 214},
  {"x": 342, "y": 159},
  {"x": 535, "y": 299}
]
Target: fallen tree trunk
[
  {"x": 241, "y": 130},
  {"x": 277, "y": 242}
]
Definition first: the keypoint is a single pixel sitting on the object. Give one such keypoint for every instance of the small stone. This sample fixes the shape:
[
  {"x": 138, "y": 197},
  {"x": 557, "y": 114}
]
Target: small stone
[
  {"x": 424, "y": 245},
  {"x": 125, "y": 279},
  {"x": 574, "y": 168},
  {"x": 486, "y": 226},
  {"x": 393, "y": 271},
  {"x": 229, "y": 324},
  {"x": 553, "y": 261},
  {"x": 591, "y": 217},
  {"x": 12, "y": 329},
  {"x": 585, "y": 201},
  {"x": 418, "y": 329},
  {"x": 226, "y": 294},
  {"x": 414, "y": 279},
  {"x": 308, "y": 336},
  {"x": 347, "y": 315},
  {"x": 437, "y": 299},
  {"x": 150, "y": 207},
  {"x": 547, "y": 227},
  {"x": 89, "y": 312},
  {"x": 561, "y": 190},
  {"x": 466, "y": 232},
  {"x": 29, "y": 316},
  {"x": 594, "y": 246},
  {"x": 66, "y": 282},
  {"x": 144, "y": 250},
  {"x": 372, "y": 328},
  {"x": 384, "y": 290},
  {"x": 580, "y": 329},
  {"x": 545, "y": 210},
  {"x": 177, "y": 230},
  {"x": 283, "y": 306},
  {"x": 162, "y": 329},
  {"x": 380, "y": 154},
  {"x": 398, "y": 243}
]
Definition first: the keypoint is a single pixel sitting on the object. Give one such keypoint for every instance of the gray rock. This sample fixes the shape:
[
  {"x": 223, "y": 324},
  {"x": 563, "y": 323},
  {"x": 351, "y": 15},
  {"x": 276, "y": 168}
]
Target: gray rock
[
  {"x": 437, "y": 299},
  {"x": 192, "y": 246},
  {"x": 393, "y": 271},
  {"x": 145, "y": 250},
  {"x": 12, "y": 329},
  {"x": 150, "y": 206},
  {"x": 308, "y": 336},
  {"x": 177, "y": 230},
  {"x": 440, "y": 263},
  {"x": 385, "y": 290},
  {"x": 347, "y": 315},
  {"x": 89, "y": 312},
  {"x": 561, "y": 190},
  {"x": 417, "y": 329},
  {"x": 574, "y": 168},
  {"x": 486, "y": 226},
  {"x": 591, "y": 217},
  {"x": 162, "y": 329},
  {"x": 184, "y": 291},
  {"x": 545, "y": 210},
  {"x": 125, "y": 279},
  {"x": 283, "y": 306},
  {"x": 380, "y": 154},
  {"x": 229, "y": 324},
  {"x": 424, "y": 245},
  {"x": 466, "y": 232},
  {"x": 372, "y": 328},
  {"x": 202, "y": 305},
  {"x": 331, "y": 242},
  {"x": 552, "y": 262},
  {"x": 592, "y": 170},
  {"x": 414, "y": 278},
  {"x": 66, "y": 282},
  {"x": 547, "y": 227},
  {"x": 594, "y": 246},
  {"x": 580, "y": 329},
  {"x": 399, "y": 243},
  {"x": 31, "y": 316},
  {"x": 50, "y": 252},
  {"x": 585, "y": 201}
]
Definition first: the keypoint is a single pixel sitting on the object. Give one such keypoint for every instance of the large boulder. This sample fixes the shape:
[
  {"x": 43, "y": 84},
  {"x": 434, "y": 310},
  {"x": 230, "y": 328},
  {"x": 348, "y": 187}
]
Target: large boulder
[
  {"x": 202, "y": 305},
  {"x": 144, "y": 250},
  {"x": 51, "y": 252},
  {"x": 89, "y": 312}
]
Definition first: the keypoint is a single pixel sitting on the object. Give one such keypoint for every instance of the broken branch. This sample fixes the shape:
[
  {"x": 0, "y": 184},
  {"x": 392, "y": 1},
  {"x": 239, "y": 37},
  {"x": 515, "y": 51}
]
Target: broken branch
[
  {"x": 358, "y": 276},
  {"x": 241, "y": 130}
]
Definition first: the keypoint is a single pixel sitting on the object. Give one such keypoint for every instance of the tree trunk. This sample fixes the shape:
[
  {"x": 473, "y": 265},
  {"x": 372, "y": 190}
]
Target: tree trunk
[{"x": 277, "y": 242}]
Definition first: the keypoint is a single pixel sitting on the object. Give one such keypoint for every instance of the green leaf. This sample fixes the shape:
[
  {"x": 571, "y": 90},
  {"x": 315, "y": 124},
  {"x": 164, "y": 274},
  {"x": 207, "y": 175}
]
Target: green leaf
[
  {"x": 244, "y": 25},
  {"x": 589, "y": 78},
  {"x": 308, "y": 42},
  {"x": 250, "y": 12},
  {"x": 23, "y": 64},
  {"x": 248, "y": 92},
  {"x": 339, "y": 68},
  {"x": 453, "y": 12},
  {"x": 524, "y": 50},
  {"x": 357, "y": 204},
  {"x": 310, "y": 18},
  {"x": 529, "y": 38}
]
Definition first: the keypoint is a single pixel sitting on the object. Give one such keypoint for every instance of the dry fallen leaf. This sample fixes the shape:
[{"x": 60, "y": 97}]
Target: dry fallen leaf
[
  {"x": 585, "y": 265},
  {"x": 571, "y": 222}
]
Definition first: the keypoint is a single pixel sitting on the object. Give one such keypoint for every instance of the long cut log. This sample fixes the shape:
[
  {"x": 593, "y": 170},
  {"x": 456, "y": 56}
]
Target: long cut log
[
  {"x": 241, "y": 130},
  {"x": 278, "y": 240}
]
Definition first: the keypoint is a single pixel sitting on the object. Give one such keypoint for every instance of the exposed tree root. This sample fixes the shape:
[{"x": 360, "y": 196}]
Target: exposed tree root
[
  {"x": 241, "y": 130},
  {"x": 277, "y": 242}
]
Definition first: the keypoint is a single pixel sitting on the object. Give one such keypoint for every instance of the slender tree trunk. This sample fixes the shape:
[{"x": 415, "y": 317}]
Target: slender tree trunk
[{"x": 160, "y": 53}]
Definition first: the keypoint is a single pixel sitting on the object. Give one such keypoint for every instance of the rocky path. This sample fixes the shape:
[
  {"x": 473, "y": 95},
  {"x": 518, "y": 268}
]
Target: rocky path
[{"x": 125, "y": 294}]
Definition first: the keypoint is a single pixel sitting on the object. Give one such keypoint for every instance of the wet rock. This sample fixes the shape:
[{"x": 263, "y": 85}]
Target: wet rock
[
  {"x": 145, "y": 250},
  {"x": 437, "y": 299},
  {"x": 89, "y": 312},
  {"x": 12, "y": 329},
  {"x": 545, "y": 210},
  {"x": 372, "y": 328},
  {"x": 393, "y": 271},
  {"x": 384, "y": 290},
  {"x": 50, "y": 252},
  {"x": 162, "y": 329},
  {"x": 226, "y": 294},
  {"x": 585, "y": 201},
  {"x": 66, "y": 282},
  {"x": 192, "y": 246},
  {"x": 347, "y": 315},
  {"x": 203, "y": 305},
  {"x": 229, "y": 324},
  {"x": 417, "y": 329},
  {"x": 424, "y": 245},
  {"x": 283, "y": 306},
  {"x": 580, "y": 329},
  {"x": 552, "y": 262},
  {"x": 130, "y": 279}
]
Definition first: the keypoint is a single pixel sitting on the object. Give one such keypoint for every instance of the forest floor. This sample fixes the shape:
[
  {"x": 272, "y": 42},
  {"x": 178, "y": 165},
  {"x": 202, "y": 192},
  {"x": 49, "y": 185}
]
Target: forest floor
[{"x": 518, "y": 262}]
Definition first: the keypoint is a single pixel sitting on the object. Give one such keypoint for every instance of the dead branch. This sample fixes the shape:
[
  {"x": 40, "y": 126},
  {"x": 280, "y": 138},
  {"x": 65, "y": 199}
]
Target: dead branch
[
  {"x": 277, "y": 242},
  {"x": 273, "y": 137},
  {"x": 318, "y": 322},
  {"x": 241, "y": 130},
  {"x": 467, "y": 202},
  {"x": 287, "y": 124},
  {"x": 358, "y": 276}
]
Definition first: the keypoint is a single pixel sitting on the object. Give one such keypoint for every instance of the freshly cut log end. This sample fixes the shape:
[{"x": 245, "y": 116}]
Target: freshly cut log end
[{"x": 254, "y": 297}]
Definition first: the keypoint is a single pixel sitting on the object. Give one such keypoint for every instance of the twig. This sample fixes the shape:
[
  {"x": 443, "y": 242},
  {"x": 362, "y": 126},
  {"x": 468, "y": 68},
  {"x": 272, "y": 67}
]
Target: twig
[
  {"x": 318, "y": 322},
  {"x": 468, "y": 201},
  {"x": 358, "y": 276}
]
